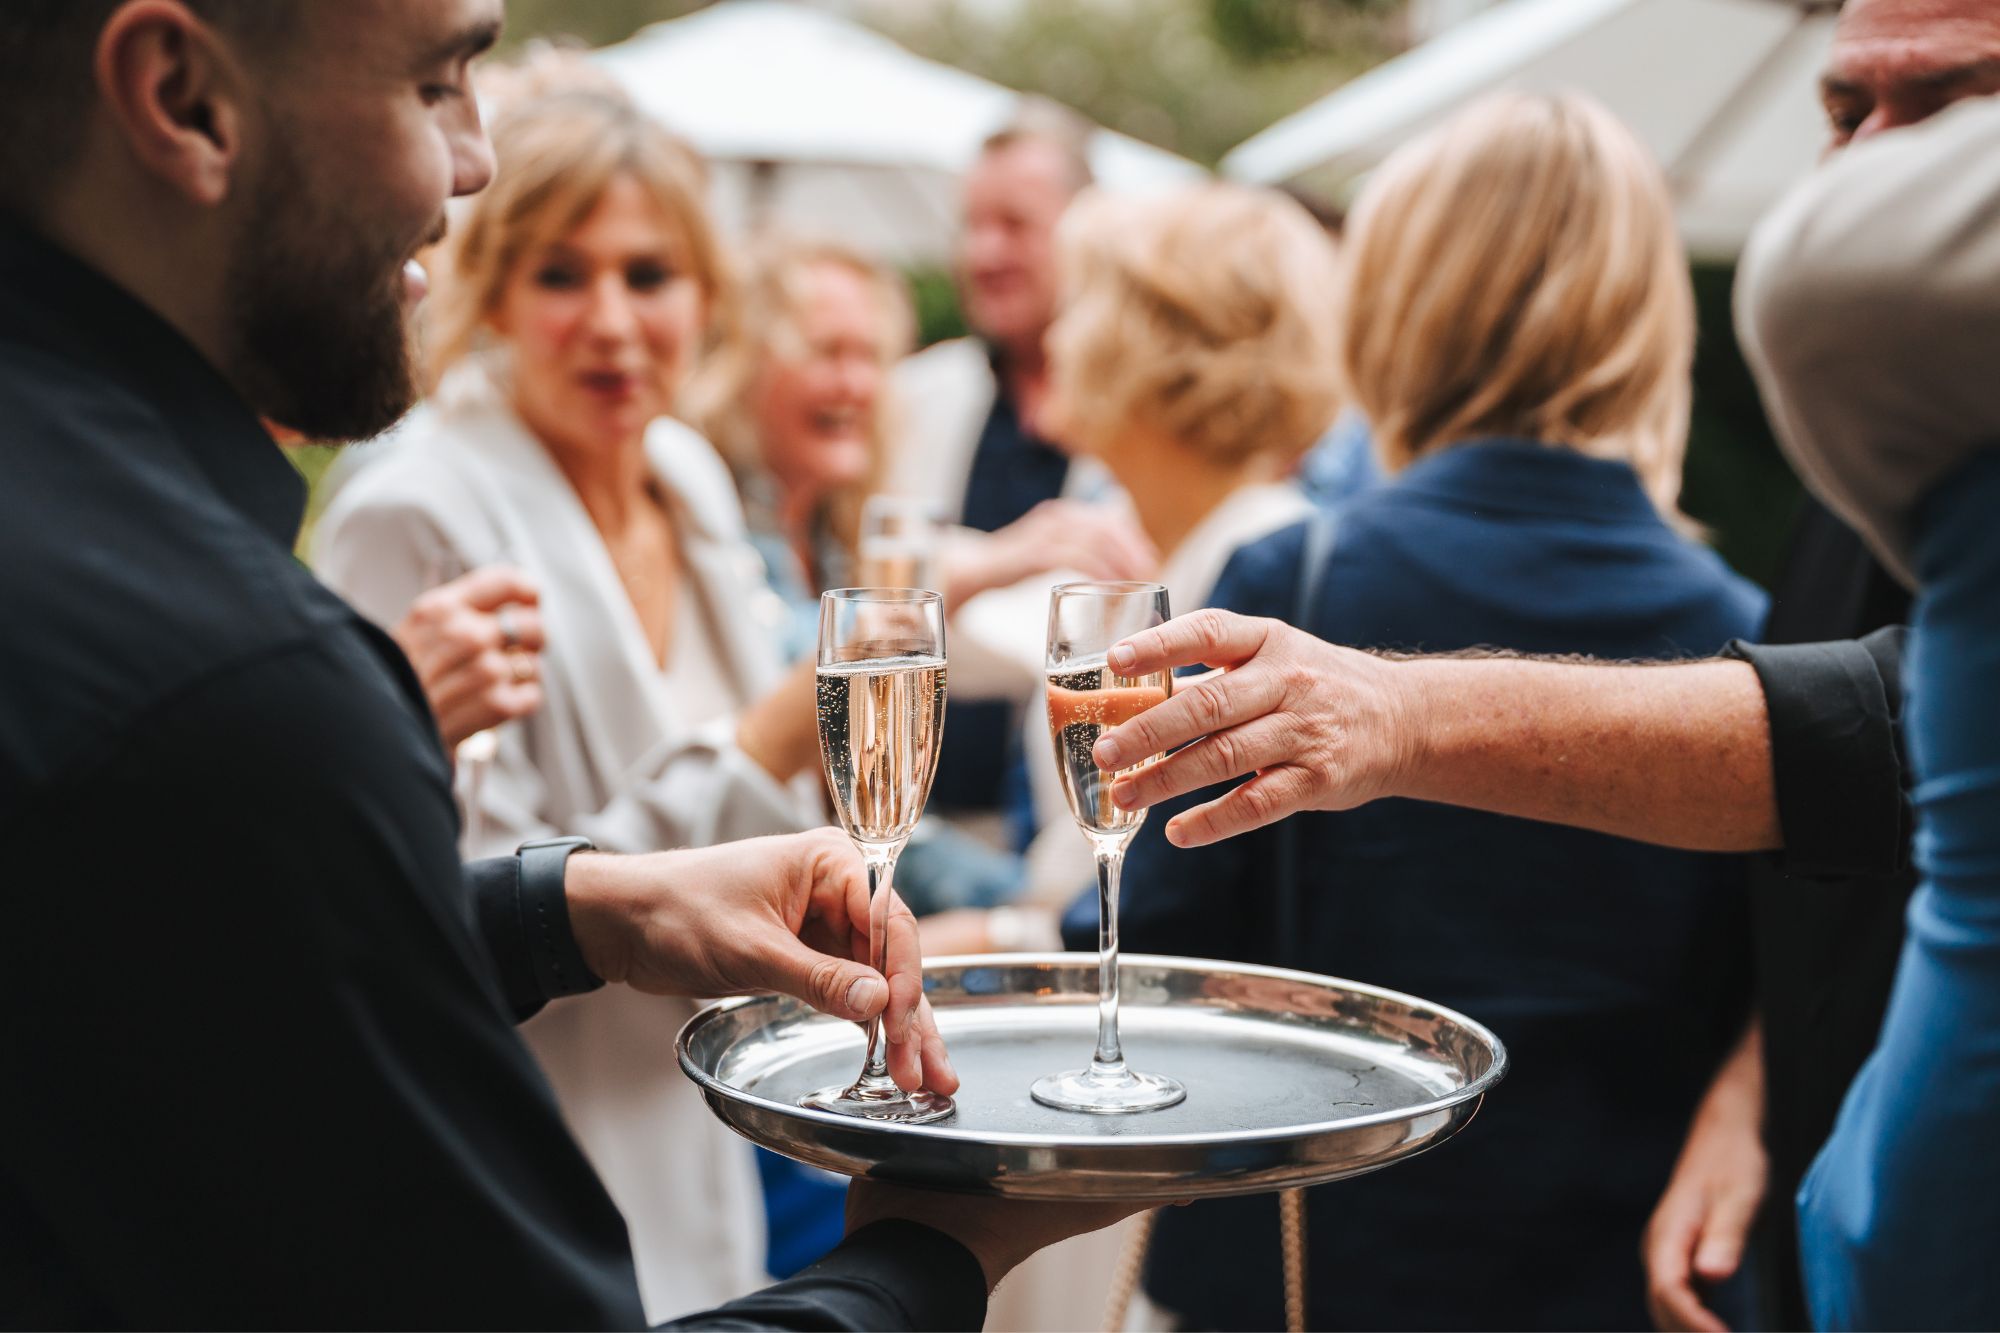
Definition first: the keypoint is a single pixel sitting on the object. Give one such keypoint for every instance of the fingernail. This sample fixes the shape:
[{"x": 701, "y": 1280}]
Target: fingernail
[
  {"x": 866, "y": 995},
  {"x": 1174, "y": 831},
  {"x": 1123, "y": 795},
  {"x": 1121, "y": 655},
  {"x": 1108, "y": 753}
]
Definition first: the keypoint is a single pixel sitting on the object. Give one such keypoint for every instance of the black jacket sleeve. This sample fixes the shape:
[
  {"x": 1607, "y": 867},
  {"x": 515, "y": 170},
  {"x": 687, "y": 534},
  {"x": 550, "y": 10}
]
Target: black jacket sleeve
[
  {"x": 1836, "y": 751},
  {"x": 524, "y": 957},
  {"x": 258, "y": 1044},
  {"x": 888, "y": 1275}
]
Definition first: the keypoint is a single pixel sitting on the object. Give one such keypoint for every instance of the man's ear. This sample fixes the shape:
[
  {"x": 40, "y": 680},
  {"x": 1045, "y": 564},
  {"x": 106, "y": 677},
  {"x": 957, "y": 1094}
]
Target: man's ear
[{"x": 176, "y": 96}]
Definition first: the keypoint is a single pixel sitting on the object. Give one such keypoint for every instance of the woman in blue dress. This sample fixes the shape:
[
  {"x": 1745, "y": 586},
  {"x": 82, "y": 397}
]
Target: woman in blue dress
[{"x": 1518, "y": 334}]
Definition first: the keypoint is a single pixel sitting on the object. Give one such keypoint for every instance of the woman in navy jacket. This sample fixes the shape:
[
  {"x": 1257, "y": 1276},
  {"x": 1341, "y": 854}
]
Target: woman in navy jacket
[{"x": 1519, "y": 332}]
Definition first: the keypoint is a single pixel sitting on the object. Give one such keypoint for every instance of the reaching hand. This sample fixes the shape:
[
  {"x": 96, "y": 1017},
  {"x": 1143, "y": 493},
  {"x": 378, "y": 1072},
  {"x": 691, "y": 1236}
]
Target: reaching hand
[
  {"x": 768, "y": 914},
  {"x": 1094, "y": 540},
  {"x": 1320, "y": 727},
  {"x": 1700, "y": 1227},
  {"x": 475, "y": 643}
]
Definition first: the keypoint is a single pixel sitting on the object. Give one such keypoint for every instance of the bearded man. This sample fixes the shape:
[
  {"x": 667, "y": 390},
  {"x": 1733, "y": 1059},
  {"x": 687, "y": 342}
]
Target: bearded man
[{"x": 259, "y": 1061}]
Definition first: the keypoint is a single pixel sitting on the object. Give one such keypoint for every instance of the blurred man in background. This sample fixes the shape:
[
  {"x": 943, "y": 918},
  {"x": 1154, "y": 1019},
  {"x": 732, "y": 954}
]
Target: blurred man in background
[{"x": 973, "y": 439}]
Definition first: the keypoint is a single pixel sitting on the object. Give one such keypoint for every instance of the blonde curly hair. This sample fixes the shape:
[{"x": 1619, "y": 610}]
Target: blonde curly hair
[{"x": 1208, "y": 315}]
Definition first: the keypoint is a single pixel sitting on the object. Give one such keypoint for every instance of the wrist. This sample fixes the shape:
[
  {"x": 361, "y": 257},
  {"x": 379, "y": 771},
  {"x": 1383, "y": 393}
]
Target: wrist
[
  {"x": 1410, "y": 693},
  {"x": 600, "y": 912}
]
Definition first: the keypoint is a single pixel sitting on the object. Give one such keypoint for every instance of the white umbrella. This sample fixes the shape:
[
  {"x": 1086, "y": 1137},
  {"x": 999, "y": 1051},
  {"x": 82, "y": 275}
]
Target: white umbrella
[
  {"x": 820, "y": 125},
  {"x": 1722, "y": 91}
]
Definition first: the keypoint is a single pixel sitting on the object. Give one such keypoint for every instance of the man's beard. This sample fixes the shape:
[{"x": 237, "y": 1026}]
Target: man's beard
[{"x": 318, "y": 340}]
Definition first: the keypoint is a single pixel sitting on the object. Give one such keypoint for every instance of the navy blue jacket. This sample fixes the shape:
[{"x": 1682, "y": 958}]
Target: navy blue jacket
[{"x": 1614, "y": 971}]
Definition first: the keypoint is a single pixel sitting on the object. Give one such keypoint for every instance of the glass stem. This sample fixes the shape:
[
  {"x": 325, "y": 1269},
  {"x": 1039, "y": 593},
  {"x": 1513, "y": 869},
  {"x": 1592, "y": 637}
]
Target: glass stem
[
  {"x": 881, "y": 867},
  {"x": 1109, "y": 1060}
]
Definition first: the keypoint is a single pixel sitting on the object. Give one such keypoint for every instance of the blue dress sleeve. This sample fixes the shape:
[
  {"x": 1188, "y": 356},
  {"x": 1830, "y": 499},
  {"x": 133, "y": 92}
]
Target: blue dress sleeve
[{"x": 1898, "y": 1216}]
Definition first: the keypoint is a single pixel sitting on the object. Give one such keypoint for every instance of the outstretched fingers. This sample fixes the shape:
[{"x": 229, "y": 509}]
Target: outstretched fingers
[
  {"x": 1208, "y": 637},
  {"x": 1220, "y": 701},
  {"x": 1264, "y": 799},
  {"x": 1217, "y": 757}
]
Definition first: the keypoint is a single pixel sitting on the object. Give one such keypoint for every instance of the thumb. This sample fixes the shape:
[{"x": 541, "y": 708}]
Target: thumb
[
  {"x": 836, "y": 986},
  {"x": 1723, "y": 1236}
]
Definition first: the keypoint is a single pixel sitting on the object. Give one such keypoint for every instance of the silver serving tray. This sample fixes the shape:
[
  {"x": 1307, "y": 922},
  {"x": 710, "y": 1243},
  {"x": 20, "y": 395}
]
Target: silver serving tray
[{"x": 1293, "y": 1079}]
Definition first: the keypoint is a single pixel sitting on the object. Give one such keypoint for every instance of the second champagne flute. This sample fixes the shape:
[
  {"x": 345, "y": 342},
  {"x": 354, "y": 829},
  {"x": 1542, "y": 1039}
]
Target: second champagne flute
[
  {"x": 881, "y": 715},
  {"x": 1085, "y": 700}
]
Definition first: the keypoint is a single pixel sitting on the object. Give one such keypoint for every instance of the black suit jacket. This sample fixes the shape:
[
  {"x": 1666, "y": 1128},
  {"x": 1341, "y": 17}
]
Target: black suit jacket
[{"x": 259, "y": 1064}]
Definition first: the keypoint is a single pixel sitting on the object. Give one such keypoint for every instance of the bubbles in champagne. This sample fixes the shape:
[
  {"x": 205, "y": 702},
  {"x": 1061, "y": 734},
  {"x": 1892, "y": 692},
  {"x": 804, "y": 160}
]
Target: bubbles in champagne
[
  {"x": 879, "y": 726},
  {"x": 1085, "y": 701}
]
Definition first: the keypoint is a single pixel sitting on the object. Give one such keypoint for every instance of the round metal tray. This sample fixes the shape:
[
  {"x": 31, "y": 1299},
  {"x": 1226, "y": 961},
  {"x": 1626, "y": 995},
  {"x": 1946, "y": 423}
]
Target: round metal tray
[{"x": 1293, "y": 1079}]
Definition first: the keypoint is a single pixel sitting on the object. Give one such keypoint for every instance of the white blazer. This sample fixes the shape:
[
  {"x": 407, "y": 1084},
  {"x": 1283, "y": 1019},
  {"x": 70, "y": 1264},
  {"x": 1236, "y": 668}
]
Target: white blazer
[{"x": 611, "y": 755}]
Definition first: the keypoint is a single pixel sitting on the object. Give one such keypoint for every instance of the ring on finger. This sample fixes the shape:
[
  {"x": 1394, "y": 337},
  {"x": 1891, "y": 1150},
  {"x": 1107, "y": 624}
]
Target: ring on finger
[{"x": 510, "y": 633}]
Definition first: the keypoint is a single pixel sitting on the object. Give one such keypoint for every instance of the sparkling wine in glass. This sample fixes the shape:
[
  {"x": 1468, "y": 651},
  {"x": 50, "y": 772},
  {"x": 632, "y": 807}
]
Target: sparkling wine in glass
[
  {"x": 1086, "y": 699},
  {"x": 881, "y": 686},
  {"x": 899, "y": 541}
]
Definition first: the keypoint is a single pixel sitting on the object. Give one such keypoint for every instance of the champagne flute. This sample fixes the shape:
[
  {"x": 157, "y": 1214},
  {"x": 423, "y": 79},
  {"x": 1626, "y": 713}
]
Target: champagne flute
[
  {"x": 1085, "y": 700},
  {"x": 880, "y": 698},
  {"x": 899, "y": 540}
]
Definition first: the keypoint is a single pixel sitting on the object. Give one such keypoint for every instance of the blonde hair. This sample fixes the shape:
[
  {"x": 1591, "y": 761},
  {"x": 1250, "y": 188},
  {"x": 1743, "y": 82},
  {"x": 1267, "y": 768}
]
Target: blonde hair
[
  {"x": 562, "y": 134},
  {"x": 1208, "y": 315},
  {"x": 720, "y": 399},
  {"x": 1517, "y": 271}
]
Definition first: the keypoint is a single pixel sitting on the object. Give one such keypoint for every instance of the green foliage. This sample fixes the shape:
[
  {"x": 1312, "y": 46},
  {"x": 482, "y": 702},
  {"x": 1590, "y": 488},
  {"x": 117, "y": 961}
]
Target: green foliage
[
  {"x": 1259, "y": 30},
  {"x": 934, "y": 297},
  {"x": 1737, "y": 483},
  {"x": 1158, "y": 70}
]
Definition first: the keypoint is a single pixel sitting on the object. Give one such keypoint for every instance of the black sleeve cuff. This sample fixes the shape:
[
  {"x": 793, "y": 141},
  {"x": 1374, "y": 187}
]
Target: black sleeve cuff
[
  {"x": 523, "y": 917},
  {"x": 888, "y": 1275},
  {"x": 1836, "y": 757}
]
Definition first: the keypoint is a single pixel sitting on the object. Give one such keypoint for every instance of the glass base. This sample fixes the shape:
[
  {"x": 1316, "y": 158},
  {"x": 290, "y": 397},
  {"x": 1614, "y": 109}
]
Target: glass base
[
  {"x": 1107, "y": 1092},
  {"x": 872, "y": 1099}
]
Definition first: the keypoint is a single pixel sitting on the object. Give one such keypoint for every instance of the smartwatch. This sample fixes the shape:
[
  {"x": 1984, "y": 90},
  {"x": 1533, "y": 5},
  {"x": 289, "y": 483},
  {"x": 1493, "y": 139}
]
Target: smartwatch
[{"x": 543, "y": 911}]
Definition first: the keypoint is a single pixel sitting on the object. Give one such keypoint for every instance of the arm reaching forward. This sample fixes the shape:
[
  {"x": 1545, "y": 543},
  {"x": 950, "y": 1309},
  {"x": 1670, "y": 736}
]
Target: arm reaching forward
[{"x": 1678, "y": 754}]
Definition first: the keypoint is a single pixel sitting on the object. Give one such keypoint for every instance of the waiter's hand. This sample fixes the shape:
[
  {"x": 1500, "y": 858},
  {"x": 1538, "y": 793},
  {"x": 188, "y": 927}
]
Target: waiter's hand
[
  {"x": 1000, "y": 1233},
  {"x": 1319, "y": 727},
  {"x": 1698, "y": 1232},
  {"x": 476, "y": 643},
  {"x": 768, "y": 914}
]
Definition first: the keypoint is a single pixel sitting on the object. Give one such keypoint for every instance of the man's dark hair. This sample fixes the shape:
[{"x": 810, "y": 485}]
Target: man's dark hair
[
  {"x": 46, "y": 87},
  {"x": 1039, "y": 120}
]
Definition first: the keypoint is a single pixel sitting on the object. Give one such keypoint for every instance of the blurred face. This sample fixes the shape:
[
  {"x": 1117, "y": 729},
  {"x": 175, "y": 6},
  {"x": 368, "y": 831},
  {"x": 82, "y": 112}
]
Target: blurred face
[
  {"x": 371, "y": 128},
  {"x": 1013, "y": 199},
  {"x": 818, "y": 391},
  {"x": 1896, "y": 62},
  {"x": 602, "y": 323}
]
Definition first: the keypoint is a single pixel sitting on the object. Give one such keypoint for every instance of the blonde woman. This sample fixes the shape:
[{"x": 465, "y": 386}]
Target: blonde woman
[
  {"x": 797, "y": 399},
  {"x": 1517, "y": 326},
  {"x": 576, "y": 291},
  {"x": 1194, "y": 356}
]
